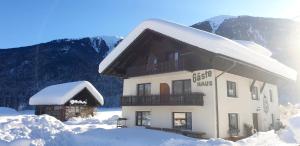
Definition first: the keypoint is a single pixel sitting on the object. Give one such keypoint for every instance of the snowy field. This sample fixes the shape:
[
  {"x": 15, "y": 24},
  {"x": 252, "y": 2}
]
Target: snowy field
[{"x": 24, "y": 129}]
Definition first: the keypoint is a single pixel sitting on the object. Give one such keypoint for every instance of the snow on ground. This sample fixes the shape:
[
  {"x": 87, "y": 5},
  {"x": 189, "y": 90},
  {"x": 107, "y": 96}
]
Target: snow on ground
[
  {"x": 7, "y": 112},
  {"x": 24, "y": 129},
  {"x": 292, "y": 133}
]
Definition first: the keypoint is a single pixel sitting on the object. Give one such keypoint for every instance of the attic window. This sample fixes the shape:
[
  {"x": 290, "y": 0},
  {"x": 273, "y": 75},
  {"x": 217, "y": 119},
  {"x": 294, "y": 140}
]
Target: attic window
[{"x": 152, "y": 59}]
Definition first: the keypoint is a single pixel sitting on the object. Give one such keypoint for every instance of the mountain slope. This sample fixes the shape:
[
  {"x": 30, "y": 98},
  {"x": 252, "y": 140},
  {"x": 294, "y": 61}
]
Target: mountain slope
[
  {"x": 26, "y": 70},
  {"x": 281, "y": 36}
]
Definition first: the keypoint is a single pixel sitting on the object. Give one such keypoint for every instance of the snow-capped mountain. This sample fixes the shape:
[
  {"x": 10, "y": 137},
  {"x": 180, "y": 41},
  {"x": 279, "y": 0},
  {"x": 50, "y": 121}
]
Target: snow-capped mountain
[
  {"x": 26, "y": 70},
  {"x": 280, "y": 36},
  {"x": 111, "y": 42},
  {"x": 215, "y": 22}
]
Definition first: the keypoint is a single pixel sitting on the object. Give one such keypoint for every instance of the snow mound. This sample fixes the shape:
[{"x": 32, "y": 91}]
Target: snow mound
[
  {"x": 25, "y": 130},
  {"x": 30, "y": 128},
  {"x": 4, "y": 111},
  {"x": 269, "y": 138},
  {"x": 294, "y": 124},
  {"x": 210, "y": 142}
]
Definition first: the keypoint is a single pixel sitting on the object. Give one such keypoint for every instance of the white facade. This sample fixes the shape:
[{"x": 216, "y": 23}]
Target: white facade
[
  {"x": 204, "y": 117},
  {"x": 157, "y": 53}
]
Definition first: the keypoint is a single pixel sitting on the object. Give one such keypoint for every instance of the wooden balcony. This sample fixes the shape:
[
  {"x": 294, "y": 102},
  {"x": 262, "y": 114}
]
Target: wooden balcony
[
  {"x": 160, "y": 67},
  {"x": 159, "y": 100}
]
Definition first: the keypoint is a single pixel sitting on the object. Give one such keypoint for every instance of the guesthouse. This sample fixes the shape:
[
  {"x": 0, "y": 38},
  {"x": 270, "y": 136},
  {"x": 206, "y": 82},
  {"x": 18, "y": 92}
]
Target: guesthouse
[
  {"x": 67, "y": 100},
  {"x": 184, "y": 79}
]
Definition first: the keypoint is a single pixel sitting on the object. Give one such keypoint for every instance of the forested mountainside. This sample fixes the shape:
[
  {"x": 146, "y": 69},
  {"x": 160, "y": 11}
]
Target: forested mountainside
[{"x": 26, "y": 70}]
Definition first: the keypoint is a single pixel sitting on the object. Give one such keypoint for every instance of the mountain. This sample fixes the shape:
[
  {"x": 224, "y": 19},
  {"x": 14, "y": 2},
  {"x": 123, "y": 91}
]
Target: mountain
[
  {"x": 26, "y": 70},
  {"x": 280, "y": 36}
]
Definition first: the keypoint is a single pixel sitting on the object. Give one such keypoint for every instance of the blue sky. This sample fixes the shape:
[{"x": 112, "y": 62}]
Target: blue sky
[{"x": 27, "y": 22}]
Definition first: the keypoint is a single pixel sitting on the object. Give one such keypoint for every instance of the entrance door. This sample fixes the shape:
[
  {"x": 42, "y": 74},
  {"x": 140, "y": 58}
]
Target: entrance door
[
  {"x": 164, "y": 92},
  {"x": 255, "y": 121}
]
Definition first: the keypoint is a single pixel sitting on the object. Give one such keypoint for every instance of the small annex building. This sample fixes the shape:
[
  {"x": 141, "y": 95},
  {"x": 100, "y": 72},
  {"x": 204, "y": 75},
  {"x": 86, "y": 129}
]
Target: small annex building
[{"x": 67, "y": 100}]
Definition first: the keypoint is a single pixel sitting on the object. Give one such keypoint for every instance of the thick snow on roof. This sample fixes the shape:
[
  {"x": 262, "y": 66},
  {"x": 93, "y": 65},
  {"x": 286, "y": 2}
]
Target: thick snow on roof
[
  {"x": 256, "y": 47},
  {"x": 204, "y": 40},
  {"x": 59, "y": 94}
]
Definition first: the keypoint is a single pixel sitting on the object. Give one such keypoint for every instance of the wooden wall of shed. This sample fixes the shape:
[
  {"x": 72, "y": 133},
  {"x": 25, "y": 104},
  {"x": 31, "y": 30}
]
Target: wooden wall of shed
[
  {"x": 79, "y": 111},
  {"x": 56, "y": 111},
  {"x": 63, "y": 113}
]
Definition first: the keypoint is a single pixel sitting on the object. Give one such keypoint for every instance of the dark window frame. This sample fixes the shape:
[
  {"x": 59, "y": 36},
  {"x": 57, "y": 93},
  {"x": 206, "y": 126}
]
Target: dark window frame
[
  {"x": 138, "y": 91},
  {"x": 271, "y": 95},
  {"x": 234, "y": 95},
  {"x": 186, "y": 121},
  {"x": 254, "y": 88},
  {"x": 183, "y": 86},
  {"x": 273, "y": 119},
  {"x": 137, "y": 120},
  {"x": 237, "y": 120}
]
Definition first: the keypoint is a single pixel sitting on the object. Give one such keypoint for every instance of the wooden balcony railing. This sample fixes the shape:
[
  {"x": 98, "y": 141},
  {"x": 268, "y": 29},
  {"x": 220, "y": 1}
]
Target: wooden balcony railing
[
  {"x": 160, "y": 67},
  {"x": 156, "y": 100}
]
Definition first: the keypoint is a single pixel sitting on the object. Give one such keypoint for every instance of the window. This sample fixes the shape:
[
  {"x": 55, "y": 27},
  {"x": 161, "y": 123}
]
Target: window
[
  {"x": 143, "y": 89},
  {"x": 143, "y": 118},
  {"x": 152, "y": 63},
  {"x": 273, "y": 120},
  {"x": 233, "y": 120},
  {"x": 231, "y": 89},
  {"x": 181, "y": 87},
  {"x": 254, "y": 93},
  {"x": 271, "y": 95},
  {"x": 233, "y": 123},
  {"x": 174, "y": 57},
  {"x": 182, "y": 120},
  {"x": 152, "y": 60}
]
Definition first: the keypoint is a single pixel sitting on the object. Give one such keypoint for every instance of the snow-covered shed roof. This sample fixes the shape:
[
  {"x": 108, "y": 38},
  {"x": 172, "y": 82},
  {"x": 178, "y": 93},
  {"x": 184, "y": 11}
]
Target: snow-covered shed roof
[
  {"x": 61, "y": 93},
  {"x": 204, "y": 40}
]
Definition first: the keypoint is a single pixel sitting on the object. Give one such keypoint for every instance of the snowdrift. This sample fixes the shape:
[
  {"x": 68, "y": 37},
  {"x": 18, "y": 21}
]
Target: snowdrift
[
  {"x": 25, "y": 130},
  {"x": 4, "y": 111}
]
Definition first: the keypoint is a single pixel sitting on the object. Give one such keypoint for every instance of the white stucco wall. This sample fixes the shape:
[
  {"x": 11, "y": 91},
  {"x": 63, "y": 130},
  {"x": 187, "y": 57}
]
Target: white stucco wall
[
  {"x": 204, "y": 117},
  {"x": 161, "y": 116},
  {"x": 243, "y": 104}
]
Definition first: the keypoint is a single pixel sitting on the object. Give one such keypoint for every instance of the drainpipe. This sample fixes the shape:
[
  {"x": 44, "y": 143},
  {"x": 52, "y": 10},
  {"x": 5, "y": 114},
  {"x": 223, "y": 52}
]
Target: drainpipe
[{"x": 216, "y": 91}]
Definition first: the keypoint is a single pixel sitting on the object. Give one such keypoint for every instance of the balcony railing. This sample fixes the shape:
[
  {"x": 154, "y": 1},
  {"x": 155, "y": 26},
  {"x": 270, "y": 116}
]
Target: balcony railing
[
  {"x": 160, "y": 67},
  {"x": 156, "y": 100}
]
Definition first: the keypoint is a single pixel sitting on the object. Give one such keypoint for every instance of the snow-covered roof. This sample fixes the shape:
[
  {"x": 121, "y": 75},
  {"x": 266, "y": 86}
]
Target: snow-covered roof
[
  {"x": 61, "y": 93},
  {"x": 256, "y": 47},
  {"x": 204, "y": 40}
]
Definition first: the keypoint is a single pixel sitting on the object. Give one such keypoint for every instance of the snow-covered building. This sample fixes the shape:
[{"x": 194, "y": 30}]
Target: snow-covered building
[
  {"x": 67, "y": 100},
  {"x": 178, "y": 77}
]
